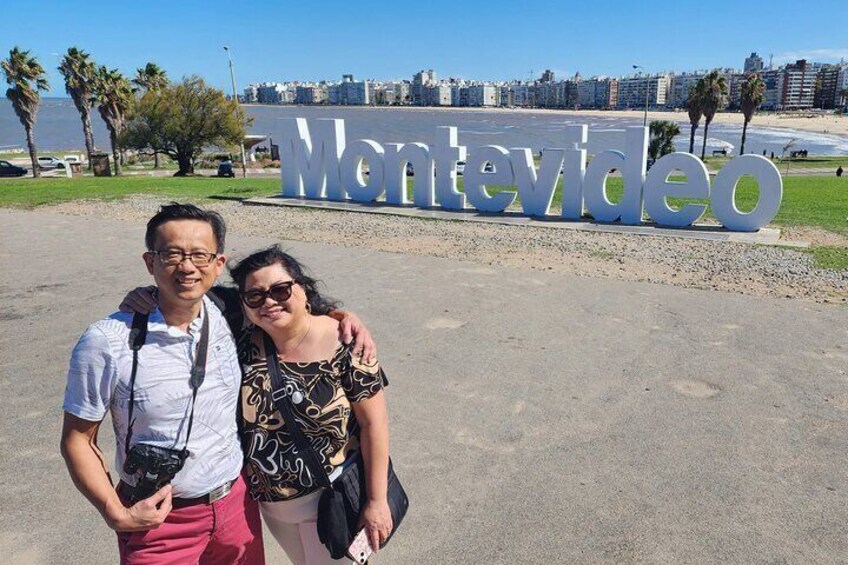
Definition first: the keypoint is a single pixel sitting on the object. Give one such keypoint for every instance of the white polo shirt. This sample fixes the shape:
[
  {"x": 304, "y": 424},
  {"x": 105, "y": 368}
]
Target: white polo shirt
[{"x": 98, "y": 380}]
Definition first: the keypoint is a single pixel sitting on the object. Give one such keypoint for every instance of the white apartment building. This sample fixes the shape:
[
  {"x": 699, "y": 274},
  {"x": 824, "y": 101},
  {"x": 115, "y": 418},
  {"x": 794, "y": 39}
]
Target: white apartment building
[
  {"x": 841, "y": 86},
  {"x": 251, "y": 94},
  {"x": 438, "y": 95},
  {"x": 680, "y": 86},
  {"x": 482, "y": 95},
  {"x": 273, "y": 93},
  {"x": 310, "y": 94},
  {"x": 633, "y": 90}
]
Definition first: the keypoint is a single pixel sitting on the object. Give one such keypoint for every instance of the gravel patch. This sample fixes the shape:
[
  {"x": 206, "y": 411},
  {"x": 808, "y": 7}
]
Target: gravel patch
[{"x": 714, "y": 265}]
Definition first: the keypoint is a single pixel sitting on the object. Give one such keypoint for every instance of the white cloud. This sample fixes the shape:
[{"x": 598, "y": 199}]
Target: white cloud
[{"x": 812, "y": 56}]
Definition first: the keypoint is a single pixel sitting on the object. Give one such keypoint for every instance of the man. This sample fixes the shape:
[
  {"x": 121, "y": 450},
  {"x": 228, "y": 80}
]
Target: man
[{"x": 205, "y": 514}]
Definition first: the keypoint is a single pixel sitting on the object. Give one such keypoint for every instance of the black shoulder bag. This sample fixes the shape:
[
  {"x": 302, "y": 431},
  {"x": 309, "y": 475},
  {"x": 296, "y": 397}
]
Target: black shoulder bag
[{"x": 343, "y": 499}]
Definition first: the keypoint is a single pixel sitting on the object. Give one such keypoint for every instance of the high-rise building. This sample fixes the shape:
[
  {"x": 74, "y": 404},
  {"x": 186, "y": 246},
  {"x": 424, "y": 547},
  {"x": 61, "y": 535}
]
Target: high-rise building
[
  {"x": 482, "y": 95},
  {"x": 633, "y": 90},
  {"x": 421, "y": 81},
  {"x": 273, "y": 93},
  {"x": 680, "y": 87},
  {"x": 753, "y": 64},
  {"x": 798, "y": 85},
  {"x": 251, "y": 94}
]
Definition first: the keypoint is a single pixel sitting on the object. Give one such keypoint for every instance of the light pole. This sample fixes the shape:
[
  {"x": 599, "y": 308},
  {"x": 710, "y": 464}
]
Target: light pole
[
  {"x": 238, "y": 112},
  {"x": 647, "y": 90}
]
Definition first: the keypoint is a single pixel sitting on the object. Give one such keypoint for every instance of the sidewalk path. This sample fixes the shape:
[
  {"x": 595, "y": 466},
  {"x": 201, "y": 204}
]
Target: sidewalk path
[{"x": 536, "y": 417}]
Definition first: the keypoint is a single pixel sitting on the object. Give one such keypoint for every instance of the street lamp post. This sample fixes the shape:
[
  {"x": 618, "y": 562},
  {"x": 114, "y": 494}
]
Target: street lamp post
[
  {"x": 238, "y": 112},
  {"x": 647, "y": 90}
]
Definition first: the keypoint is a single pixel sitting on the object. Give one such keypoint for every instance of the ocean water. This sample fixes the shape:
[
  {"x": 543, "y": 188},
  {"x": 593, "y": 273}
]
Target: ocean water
[{"x": 58, "y": 127}]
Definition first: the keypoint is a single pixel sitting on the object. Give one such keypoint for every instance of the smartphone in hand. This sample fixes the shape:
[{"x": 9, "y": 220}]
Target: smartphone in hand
[{"x": 360, "y": 548}]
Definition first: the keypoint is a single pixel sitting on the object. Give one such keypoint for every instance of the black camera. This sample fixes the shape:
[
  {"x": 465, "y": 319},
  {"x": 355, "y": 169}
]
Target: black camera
[{"x": 154, "y": 467}]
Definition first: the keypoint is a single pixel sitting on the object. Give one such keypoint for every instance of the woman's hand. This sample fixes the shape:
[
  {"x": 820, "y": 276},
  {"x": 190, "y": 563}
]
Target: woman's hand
[
  {"x": 376, "y": 518},
  {"x": 142, "y": 300},
  {"x": 352, "y": 328}
]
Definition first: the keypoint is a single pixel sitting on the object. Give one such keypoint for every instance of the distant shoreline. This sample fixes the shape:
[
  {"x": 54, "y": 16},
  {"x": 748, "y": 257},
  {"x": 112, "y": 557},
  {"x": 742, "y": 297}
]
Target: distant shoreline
[{"x": 831, "y": 124}]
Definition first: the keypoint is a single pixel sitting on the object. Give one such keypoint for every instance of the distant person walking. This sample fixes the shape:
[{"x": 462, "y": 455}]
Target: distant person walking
[{"x": 839, "y": 171}]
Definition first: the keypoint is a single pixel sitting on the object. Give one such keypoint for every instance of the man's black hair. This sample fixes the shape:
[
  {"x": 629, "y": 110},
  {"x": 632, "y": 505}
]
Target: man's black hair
[{"x": 176, "y": 211}]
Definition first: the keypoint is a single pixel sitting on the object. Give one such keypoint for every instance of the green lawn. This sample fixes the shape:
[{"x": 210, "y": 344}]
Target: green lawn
[
  {"x": 807, "y": 201},
  {"x": 29, "y": 193},
  {"x": 820, "y": 202}
]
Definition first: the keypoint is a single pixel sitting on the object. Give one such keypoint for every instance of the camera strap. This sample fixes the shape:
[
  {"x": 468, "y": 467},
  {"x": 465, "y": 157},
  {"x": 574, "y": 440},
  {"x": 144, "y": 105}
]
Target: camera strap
[{"x": 137, "y": 337}]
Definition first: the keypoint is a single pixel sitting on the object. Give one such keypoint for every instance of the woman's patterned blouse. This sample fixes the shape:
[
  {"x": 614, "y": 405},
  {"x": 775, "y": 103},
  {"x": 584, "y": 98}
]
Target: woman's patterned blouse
[{"x": 321, "y": 393}]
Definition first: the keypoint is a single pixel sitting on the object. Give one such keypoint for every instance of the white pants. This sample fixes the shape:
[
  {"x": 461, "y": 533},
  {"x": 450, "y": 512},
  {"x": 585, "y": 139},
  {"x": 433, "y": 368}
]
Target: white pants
[{"x": 293, "y": 525}]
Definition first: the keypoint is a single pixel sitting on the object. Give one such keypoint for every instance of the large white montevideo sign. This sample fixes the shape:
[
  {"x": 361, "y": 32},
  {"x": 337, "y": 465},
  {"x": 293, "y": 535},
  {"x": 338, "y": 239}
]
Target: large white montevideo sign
[{"x": 318, "y": 163}]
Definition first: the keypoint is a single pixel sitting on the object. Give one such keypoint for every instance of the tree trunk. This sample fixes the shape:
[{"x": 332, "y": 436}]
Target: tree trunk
[
  {"x": 33, "y": 153},
  {"x": 692, "y": 137},
  {"x": 186, "y": 166},
  {"x": 156, "y": 163},
  {"x": 89, "y": 135},
  {"x": 744, "y": 132},
  {"x": 704, "y": 146},
  {"x": 116, "y": 157}
]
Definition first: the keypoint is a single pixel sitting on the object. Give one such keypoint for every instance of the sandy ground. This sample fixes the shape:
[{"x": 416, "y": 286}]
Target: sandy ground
[
  {"x": 537, "y": 417},
  {"x": 812, "y": 121},
  {"x": 715, "y": 265}
]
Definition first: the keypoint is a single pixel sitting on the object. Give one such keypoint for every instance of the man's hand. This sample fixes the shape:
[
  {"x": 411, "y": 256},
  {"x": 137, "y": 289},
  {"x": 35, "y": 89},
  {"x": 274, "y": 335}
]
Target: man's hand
[
  {"x": 147, "y": 514},
  {"x": 142, "y": 300},
  {"x": 351, "y": 328}
]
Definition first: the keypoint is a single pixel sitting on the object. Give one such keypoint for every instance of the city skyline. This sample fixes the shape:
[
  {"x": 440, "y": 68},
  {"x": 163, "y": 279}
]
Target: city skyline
[{"x": 493, "y": 41}]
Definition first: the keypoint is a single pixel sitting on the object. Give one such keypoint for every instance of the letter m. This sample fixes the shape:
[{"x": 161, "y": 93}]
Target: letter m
[{"x": 310, "y": 167}]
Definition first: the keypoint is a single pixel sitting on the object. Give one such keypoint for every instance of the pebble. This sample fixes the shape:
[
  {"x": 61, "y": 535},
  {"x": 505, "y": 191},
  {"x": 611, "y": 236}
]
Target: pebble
[{"x": 717, "y": 265}]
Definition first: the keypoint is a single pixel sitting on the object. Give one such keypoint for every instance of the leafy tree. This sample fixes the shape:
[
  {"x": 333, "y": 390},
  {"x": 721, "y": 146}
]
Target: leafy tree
[
  {"x": 80, "y": 74},
  {"x": 663, "y": 133},
  {"x": 115, "y": 100},
  {"x": 26, "y": 77},
  {"x": 152, "y": 78},
  {"x": 753, "y": 91},
  {"x": 712, "y": 95},
  {"x": 693, "y": 106},
  {"x": 180, "y": 120}
]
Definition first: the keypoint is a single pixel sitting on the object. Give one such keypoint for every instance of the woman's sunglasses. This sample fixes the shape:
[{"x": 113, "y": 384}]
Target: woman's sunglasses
[{"x": 279, "y": 293}]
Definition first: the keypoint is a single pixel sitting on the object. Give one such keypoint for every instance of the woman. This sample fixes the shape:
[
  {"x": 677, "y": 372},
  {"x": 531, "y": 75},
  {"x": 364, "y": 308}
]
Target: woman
[{"x": 337, "y": 399}]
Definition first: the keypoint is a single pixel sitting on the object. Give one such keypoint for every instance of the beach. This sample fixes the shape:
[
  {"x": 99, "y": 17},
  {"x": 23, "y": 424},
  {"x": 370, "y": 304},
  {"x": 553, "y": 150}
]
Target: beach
[{"x": 808, "y": 121}]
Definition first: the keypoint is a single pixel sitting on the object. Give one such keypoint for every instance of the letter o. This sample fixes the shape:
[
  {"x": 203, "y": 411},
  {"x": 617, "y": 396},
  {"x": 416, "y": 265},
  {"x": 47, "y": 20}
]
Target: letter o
[
  {"x": 351, "y": 174},
  {"x": 723, "y": 194}
]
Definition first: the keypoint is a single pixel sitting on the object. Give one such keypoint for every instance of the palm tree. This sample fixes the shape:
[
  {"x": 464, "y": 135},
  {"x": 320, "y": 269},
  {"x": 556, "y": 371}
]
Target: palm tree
[
  {"x": 712, "y": 93},
  {"x": 115, "y": 99},
  {"x": 80, "y": 73},
  {"x": 152, "y": 78},
  {"x": 662, "y": 138},
  {"x": 26, "y": 77},
  {"x": 753, "y": 91},
  {"x": 693, "y": 106}
]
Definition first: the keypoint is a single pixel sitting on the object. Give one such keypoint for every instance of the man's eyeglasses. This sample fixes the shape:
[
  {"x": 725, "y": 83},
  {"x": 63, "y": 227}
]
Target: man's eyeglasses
[
  {"x": 279, "y": 293},
  {"x": 173, "y": 257}
]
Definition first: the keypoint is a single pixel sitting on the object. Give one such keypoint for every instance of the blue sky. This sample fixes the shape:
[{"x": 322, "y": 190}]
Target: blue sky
[{"x": 492, "y": 40}]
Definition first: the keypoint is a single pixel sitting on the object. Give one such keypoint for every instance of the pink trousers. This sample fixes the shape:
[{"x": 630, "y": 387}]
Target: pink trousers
[{"x": 228, "y": 531}]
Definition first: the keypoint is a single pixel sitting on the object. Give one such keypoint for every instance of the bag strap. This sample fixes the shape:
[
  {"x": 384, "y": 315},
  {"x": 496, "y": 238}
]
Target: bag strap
[
  {"x": 137, "y": 337},
  {"x": 284, "y": 405}
]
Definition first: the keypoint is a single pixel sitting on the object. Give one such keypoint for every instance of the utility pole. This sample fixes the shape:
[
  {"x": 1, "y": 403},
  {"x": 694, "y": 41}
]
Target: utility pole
[{"x": 238, "y": 112}]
